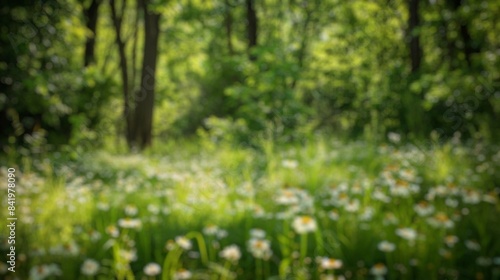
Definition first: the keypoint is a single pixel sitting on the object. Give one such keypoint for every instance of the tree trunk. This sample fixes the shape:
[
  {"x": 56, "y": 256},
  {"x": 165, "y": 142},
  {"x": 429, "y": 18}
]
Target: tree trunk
[
  {"x": 91, "y": 15},
  {"x": 228, "y": 22},
  {"x": 468, "y": 47},
  {"x": 144, "y": 101},
  {"x": 134, "y": 46},
  {"x": 251, "y": 27},
  {"x": 127, "y": 113},
  {"x": 301, "y": 54},
  {"x": 413, "y": 24},
  {"x": 413, "y": 113}
]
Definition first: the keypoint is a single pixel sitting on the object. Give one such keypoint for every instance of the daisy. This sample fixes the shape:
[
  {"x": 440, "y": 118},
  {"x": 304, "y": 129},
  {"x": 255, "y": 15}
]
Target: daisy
[
  {"x": 291, "y": 164},
  {"x": 483, "y": 261},
  {"x": 304, "y": 224},
  {"x": 129, "y": 223},
  {"x": 450, "y": 240},
  {"x": 407, "y": 233},
  {"x": 490, "y": 197},
  {"x": 152, "y": 269},
  {"x": 287, "y": 197},
  {"x": 210, "y": 230},
  {"x": 352, "y": 206},
  {"x": 331, "y": 277},
  {"x": 260, "y": 248},
  {"x": 39, "y": 272},
  {"x": 334, "y": 215},
  {"x": 379, "y": 270},
  {"x": 129, "y": 255},
  {"x": 257, "y": 233},
  {"x": 445, "y": 253},
  {"x": 154, "y": 209},
  {"x": 394, "y": 137},
  {"x": 183, "y": 242},
  {"x": 170, "y": 245},
  {"x": 386, "y": 246},
  {"x": 390, "y": 219},
  {"x": 453, "y": 203},
  {"x": 131, "y": 210},
  {"x": 471, "y": 197},
  {"x": 182, "y": 274},
  {"x": 103, "y": 206},
  {"x": 231, "y": 253},
  {"x": 328, "y": 263},
  {"x": 221, "y": 233},
  {"x": 44, "y": 271},
  {"x": 258, "y": 211},
  {"x": 94, "y": 235},
  {"x": 423, "y": 208},
  {"x": 440, "y": 220},
  {"x": 367, "y": 214},
  {"x": 90, "y": 267},
  {"x": 379, "y": 195},
  {"x": 400, "y": 188},
  {"x": 472, "y": 245}
]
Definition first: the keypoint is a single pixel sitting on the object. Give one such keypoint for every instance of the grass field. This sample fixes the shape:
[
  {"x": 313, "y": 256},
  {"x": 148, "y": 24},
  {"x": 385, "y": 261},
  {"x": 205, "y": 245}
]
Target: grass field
[{"x": 324, "y": 210}]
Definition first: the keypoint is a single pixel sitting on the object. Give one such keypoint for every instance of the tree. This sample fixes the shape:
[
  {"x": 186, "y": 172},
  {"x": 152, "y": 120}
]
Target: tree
[
  {"x": 117, "y": 20},
  {"x": 228, "y": 23},
  {"x": 413, "y": 25},
  {"x": 468, "y": 46},
  {"x": 252, "y": 26},
  {"x": 91, "y": 16},
  {"x": 144, "y": 100}
]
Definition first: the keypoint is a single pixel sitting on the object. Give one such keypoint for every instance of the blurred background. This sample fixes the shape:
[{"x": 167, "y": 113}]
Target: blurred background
[{"x": 358, "y": 139}]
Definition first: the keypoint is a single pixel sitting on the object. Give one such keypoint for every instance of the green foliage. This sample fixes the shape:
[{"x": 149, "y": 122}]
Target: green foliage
[{"x": 46, "y": 93}]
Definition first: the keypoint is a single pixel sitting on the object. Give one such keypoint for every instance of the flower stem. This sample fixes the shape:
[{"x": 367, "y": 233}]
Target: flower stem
[
  {"x": 227, "y": 271},
  {"x": 258, "y": 269},
  {"x": 303, "y": 247}
]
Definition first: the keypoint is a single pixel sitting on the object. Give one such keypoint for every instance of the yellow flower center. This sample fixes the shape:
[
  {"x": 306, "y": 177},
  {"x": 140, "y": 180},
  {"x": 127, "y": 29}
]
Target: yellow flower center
[
  {"x": 441, "y": 217},
  {"x": 306, "y": 219}
]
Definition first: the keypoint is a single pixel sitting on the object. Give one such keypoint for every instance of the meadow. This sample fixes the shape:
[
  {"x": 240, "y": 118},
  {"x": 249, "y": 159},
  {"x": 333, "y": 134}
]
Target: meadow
[{"x": 322, "y": 210}]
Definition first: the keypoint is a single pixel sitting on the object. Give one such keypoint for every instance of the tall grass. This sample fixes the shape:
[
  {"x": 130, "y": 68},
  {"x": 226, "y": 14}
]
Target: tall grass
[{"x": 128, "y": 211}]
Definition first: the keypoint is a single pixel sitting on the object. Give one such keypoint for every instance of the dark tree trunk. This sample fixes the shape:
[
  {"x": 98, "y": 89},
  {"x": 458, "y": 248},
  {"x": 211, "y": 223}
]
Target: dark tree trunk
[
  {"x": 144, "y": 101},
  {"x": 134, "y": 46},
  {"x": 413, "y": 25},
  {"x": 228, "y": 22},
  {"x": 252, "y": 26},
  {"x": 468, "y": 46},
  {"x": 91, "y": 15},
  {"x": 127, "y": 113},
  {"x": 301, "y": 54}
]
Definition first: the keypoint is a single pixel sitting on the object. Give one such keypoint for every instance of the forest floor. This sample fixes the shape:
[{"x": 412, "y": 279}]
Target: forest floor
[{"x": 325, "y": 211}]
